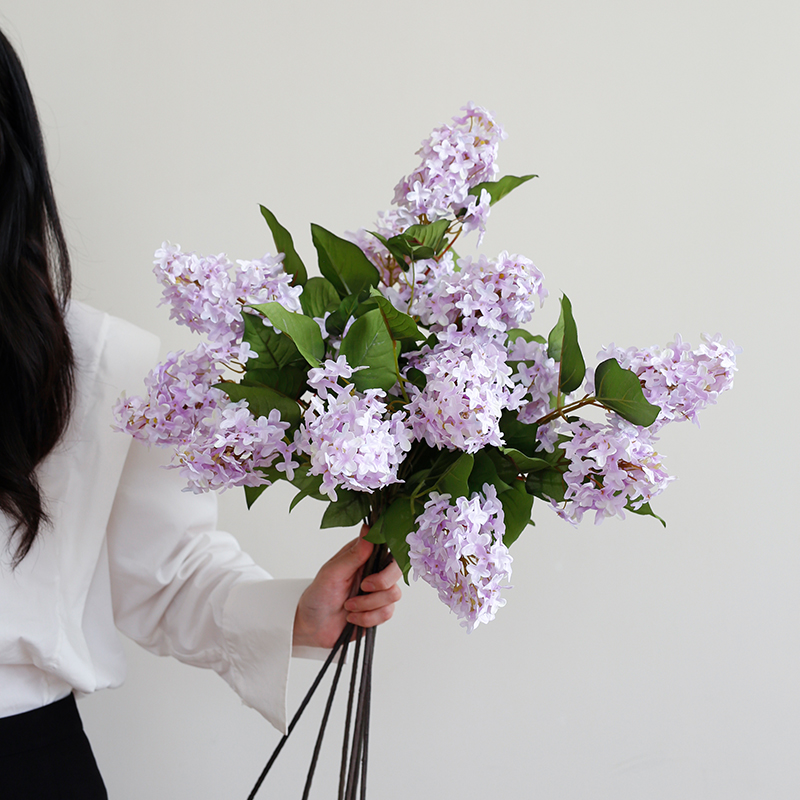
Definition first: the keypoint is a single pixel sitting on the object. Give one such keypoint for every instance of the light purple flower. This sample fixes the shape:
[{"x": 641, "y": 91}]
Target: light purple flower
[
  {"x": 208, "y": 300},
  {"x": 468, "y": 387},
  {"x": 350, "y": 438},
  {"x": 218, "y": 444},
  {"x": 612, "y": 465},
  {"x": 677, "y": 379},
  {"x": 454, "y": 159},
  {"x": 458, "y": 549}
]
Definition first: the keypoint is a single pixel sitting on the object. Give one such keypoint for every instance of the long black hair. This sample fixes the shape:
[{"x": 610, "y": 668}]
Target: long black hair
[{"x": 36, "y": 360}]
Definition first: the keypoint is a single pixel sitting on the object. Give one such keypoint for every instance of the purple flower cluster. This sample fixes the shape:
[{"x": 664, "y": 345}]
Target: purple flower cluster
[
  {"x": 218, "y": 443},
  {"x": 454, "y": 159},
  {"x": 458, "y": 549},
  {"x": 677, "y": 379},
  {"x": 538, "y": 373},
  {"x": 229, "y": 446},
  {"x": 492, "y": 294},
  {"x": 205, "y": 297},
  {"x": 611, "y": 465},
  {"x": 349, "y": 437},
  {"x": 468, "y": 387}
]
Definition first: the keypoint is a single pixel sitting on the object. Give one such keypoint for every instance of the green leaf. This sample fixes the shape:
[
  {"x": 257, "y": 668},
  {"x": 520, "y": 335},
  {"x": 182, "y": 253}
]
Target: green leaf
[
  {"x": 252, "y": 493},
  {"x": 290, "y": 380},
  {"x": 343, "y": 263},
  {"x": 645, "y": 511},
  {"x": 302, "y": 330},
  {"x": 548, "y": 484},
  {"x": 319, "y": 295},
  {"x": 620, "y": 390},
  {"x": 455, "y": 481},
  {"x": 309, "y": 485},
  {"x": 400, "y": 325},
  {"x": 368, "y": 343},
  {"x": 517, "y": 333},
  {"x": 263, "y": 399},
  {"x": 398, "y": 250},
  {"x": 522, "y": 462},
  {"x": 499, "y": 189},
  {"x": 392, "y": 527},
  {"x": 349, "y": 509},
  {"x": 484, "y": 471},
  {"x": 292, "y": 262},
  {"x": 562, "y": 345},
  {"x": 506, "y": 470},
  {"x": 430, "y": 235},
  {"x": 518, "y": 435},
  {"x": 275, "y": 350},
  {"x": 517, "y": 505}
]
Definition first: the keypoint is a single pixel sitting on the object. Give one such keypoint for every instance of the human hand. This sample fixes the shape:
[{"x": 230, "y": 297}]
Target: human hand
[{"x": 331, "y": 600}]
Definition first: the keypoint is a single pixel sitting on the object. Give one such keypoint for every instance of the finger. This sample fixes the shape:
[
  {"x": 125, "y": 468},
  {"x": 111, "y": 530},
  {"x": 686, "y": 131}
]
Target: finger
[
  {"x": 387, "y": 577},
  {"x": 349, "y": 559},
  {"x": 369, "y": 619},
  {"x": 369, "y": 602}
]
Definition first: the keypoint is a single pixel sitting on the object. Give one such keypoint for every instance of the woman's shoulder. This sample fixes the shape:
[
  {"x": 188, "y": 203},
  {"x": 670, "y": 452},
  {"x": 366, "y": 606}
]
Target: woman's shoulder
[{"x": 107, "y": 344}]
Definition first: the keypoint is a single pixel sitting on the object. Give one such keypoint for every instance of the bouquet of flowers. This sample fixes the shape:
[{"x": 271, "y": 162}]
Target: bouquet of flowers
[{"x": 400, "y": 386}]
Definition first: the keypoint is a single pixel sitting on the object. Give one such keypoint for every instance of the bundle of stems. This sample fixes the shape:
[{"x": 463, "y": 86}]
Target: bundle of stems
[{"x": 355, "y": 744}]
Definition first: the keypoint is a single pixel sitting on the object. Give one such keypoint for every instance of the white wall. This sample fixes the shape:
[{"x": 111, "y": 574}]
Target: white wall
[{"x": 630, "y": 662}]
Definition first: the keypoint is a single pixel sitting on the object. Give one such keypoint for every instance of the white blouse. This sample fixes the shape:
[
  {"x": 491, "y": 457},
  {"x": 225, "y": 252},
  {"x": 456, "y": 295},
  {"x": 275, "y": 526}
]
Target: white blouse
[{"x": 128, "y": 549}]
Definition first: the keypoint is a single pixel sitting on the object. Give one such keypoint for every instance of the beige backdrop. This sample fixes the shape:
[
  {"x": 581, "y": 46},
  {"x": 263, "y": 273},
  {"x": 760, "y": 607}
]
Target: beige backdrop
[{"x": 630, "y": 662}]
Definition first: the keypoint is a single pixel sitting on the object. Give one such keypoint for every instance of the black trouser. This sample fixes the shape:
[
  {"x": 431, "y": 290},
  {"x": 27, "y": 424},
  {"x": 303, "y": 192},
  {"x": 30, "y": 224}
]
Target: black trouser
[{"x": 45, "y": 755}]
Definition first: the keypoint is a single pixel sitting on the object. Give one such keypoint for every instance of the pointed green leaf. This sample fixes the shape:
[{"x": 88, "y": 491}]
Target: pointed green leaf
[
  {"x": 620, "y": 391},
  {"x": 455, "y": 481},
  {"x": 343, "y": 263},
  {"x": 302, "y": 330},
  {"x": 275, "y": 350},
  {"x": 516, "y": 333},
  {"x": 562, "y": 345},
  {"x": 291, "y": 380},
  {"x": 522, "y": 462},
  {"x": 350, "y": 508},
  {"x": 499, "y": 189},
  {"x": 368, "y": 343},
  {"x": 548, "y": 484},
  {"x": 397, "y": 252},
  {"x": 292, "y": 262},
  {"x": 263, "y": 399},
  {"x": 646, "y": 511},
  {"x": 400, "y": 325},
  {"x": 252, "y": 493},
  {"x": 519, "y": 435},
  {"x": 517, "y": 505},
  {"x": 319, "y": 295},
  {"x": 430, "y": 235},
  {"x": 483, "y": 472}
]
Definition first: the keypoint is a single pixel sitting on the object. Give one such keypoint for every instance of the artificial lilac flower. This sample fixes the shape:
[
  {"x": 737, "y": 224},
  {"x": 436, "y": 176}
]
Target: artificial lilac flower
[
  {"x": 493, "y": 294},
  {"x": 455, "y": 158},
  {"x": 229, "y": 448},
  {"x": 205, "y": 297},
  {"x": 611, "y": 465},
  {"x": 350, "y": 439},
  {"x": 538, "y": 373},
  {"x": 458, "y": 549},
  {"x": 677, "y": 379},
  {"x": 218, "y": 443},
  {"x": 468, "y": 387}
]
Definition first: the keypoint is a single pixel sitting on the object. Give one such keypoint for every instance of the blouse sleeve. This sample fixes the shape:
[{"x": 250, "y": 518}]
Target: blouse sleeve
[{"x": 182, "y": 588}]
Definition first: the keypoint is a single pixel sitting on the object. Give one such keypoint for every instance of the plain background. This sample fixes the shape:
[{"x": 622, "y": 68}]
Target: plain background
[{"x": 631, "y": 661}]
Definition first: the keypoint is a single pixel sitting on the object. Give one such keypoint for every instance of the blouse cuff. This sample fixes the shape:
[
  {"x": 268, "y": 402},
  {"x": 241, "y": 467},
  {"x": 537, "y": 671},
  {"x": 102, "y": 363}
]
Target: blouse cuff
[{"x": 258, "y": 620}]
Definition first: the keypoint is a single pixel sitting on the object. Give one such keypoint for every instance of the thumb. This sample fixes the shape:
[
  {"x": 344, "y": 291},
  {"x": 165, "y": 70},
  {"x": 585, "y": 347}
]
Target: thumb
[{"x": 349, "y": 559}]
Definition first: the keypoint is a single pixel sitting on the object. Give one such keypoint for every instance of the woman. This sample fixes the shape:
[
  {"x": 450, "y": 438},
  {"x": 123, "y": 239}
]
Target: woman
[{"x": 97, "y": 534}]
